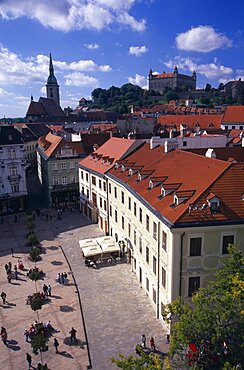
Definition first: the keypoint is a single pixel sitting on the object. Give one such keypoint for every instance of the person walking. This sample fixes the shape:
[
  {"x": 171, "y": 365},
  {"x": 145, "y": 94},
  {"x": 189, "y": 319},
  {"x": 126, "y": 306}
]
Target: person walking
[
  {"x": 16, "y": 274},
  {"x": 10, "y": 266},
  {"x": 143, "y": 341},
  {"x": 56, "y": 344},
  {"x": 9, "y": 276},
  {"x": 12, "y": 252},
  {"x": 62, "y": 278},
  {"x": 4, "y": 335},
  {"x": 65, "y": 278},
  {"x": 3, "y": 296},
  {"x": 26, "y": 334},
  {"x": 59, "y": 278},
  {"x": 28, "y": 359},
  {"x": 45, "y": 289},
  {"x": 73, "y": 335},
  {"x": 49, "y": 290},
  {"x": 152, "y": 343}
]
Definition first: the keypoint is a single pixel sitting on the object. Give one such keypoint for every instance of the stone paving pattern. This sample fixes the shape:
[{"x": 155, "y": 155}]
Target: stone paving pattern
[{"x": 116, "y": 309}]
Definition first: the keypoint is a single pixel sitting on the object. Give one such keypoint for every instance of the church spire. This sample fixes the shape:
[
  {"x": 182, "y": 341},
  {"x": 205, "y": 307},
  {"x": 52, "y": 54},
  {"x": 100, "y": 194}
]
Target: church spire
[{"x": 51, "y": 69}]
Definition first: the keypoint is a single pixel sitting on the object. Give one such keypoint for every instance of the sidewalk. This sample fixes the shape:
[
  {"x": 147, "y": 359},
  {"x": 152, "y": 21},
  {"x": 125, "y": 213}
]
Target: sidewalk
[{"x": 63, "y": 309}]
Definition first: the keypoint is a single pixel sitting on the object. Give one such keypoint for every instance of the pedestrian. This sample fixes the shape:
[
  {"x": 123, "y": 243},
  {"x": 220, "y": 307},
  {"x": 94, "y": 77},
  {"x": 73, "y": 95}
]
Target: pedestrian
[
  {"x": 59, "y": 278},
  {"x": 49, "y": 290},
  {"x": 28, "y": 359},
  {"x": 62, "y": 278},
  {"x": 12, "y": 252},
  {"x": 10, "y": 265},
  {"x": 143, "y": 341},
  {"x": 45, "y": 289},
  {"x": 152, "y": 344},
  {"x": 26, "y": 334},
  {"x": 16, "y": 274},
  {"x": 15, "y": 219},
  {"x": 9, "y": 276},
  {"x": 168, "y": 338},
  {"x": 6, "y": 267},
  {"x": 56, "y": 344},
  {"x": 73, "y": 335},
  {"x": 65, "y": 278},
  {"x": 4, "y": 335},
  {"x": 3, "y": 296}
]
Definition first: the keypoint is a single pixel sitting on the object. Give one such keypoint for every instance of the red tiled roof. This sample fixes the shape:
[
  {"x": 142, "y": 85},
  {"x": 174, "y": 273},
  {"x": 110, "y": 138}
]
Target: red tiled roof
[
  {"x": 188, "y": 172},
  {"x": 204, "y": 120},
  {"x": 114, "y": 148},
  {"x": 234, "y": 114},
  {"x": 51, "y": 144},
  {"x": 237, "y": 153},
  {"x": 164, "y": 75}
]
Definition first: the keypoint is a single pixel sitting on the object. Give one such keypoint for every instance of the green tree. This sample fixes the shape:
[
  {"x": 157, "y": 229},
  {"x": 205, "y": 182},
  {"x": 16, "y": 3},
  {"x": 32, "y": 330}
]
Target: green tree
[
  {"x": 145, "y": 361},
  {"x": 208, "y": 87},
  {"x": 35, "y": 254},
  {"x": 214, "y": 320}
]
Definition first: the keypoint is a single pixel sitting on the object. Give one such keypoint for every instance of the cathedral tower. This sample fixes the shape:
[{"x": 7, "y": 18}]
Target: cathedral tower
[{"x": 52, "y": 84}]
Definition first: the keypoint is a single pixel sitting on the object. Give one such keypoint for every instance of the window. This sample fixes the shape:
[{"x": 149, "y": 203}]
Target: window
[
  {"x": 140, "y": 245},
  {"x": 116, "y": 216},
  {"x": 55, "y": 180},
  {"x": 227, "y": 240},
  {"x": 100, "y": 184},
  {"x": 93, "y": 180},
  {"x": 110, "y": 211},
  {"x": 129, "y": 229},
  {"x": 147, "y": 255},
  {"x": 134, "y": 208},
  {"x": 94, "y": 199},
  {"x": 54, "y": 166},
  {"x": 154, "y": 265},
  {"x": 73, "y": 179},
  {"x": 64, "y": 180},
  {"x": 122, "y": 197},
  {"x": 134, "y": 264},
  {"x": 82, "y": 190},
  {"x": 87, "y": 178},
  {"x": 13, "y": 171},
  {"x": 129, "y": 203},
  {"x": 15, "y": 188},
  {"x": 147, "y": 284},
  {"x": 164, "y": 241},
  {"x": 109, "y": 188},
  {"x": 134, "y": 237},
  {"x": 63, "y": 166},
  {"x": 71, "y": 165},
  {"x": 154, "y": 295},
  {"x": 195, "y": 246},
  {"x": 147, "y": 222},
  {"x": 82, "y": 175},
  {"x": 154, "y": 230},
  {"x": 115, "y": 192},
  {"x": 123, "y": 222},
  {"x": 87, "y": 193},
  {"x": 140, "y": 214},
  {"x": 194, "y": 285},
  {"x": 105, "y": 205},
  {"x": 101, "y": 202},
  {"x": 184, "y": 143},
  {"x": 163, "y": 277},
  {"x": 104, "y": 186},
  {"x": 12, "y": 154}
]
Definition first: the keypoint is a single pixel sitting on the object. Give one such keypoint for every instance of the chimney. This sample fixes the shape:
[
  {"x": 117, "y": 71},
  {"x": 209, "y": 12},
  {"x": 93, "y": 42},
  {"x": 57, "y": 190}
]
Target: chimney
[{"x": 155, "y": 141}]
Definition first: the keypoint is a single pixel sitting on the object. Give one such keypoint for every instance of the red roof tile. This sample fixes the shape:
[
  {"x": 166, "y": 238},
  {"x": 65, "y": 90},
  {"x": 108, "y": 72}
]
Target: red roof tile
[
  {"x": 192, "y": 121},
  {"x": 234, "y": 114}
]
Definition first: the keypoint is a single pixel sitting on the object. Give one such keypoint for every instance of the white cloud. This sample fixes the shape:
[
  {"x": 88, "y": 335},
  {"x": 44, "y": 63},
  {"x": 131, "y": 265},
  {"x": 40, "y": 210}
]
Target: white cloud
[
  {"x": 80, "y": 79},
  {"x": 202, "y": 39},
  {"x": 138, "y": 50},
  {"x": 15, "y": 70},
  {"x": 91, "y": 46},
  {"x": 4, "y": 92},
  {"x": 139, "y": 80},
  {"x": 68, "y": 15},
  {"x": 212, "y": 70}
]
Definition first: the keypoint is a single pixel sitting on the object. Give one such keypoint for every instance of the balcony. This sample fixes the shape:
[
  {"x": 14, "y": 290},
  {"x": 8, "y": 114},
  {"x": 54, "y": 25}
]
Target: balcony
[{"x": 14, "y": 177}]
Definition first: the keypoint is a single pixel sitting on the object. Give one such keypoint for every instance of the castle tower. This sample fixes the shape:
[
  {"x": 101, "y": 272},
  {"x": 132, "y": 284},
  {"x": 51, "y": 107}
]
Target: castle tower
[
  {"x": 52, "y": 86},
  {"x": 194, "y": 75}
]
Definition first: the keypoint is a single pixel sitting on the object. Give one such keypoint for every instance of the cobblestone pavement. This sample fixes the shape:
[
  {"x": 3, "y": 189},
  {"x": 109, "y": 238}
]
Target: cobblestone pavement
[{"x": 116, "y": 310}]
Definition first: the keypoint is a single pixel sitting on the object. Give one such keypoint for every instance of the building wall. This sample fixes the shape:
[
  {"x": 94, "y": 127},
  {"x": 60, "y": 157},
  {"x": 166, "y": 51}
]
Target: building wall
[
  {"x": 12, "y": 178},
  {"x": 159, "y": 84}
]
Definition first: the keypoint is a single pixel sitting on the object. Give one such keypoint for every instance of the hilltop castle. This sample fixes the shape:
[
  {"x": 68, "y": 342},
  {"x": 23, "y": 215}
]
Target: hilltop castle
[{"x": 158, "y": 82}]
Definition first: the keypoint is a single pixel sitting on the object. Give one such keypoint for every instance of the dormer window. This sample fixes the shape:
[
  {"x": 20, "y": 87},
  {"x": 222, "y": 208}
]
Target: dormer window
[
  {"x": 176, "y": 200},
  {"x": 130, "y": 172},
  {"x": 214, "y": 203},
  {"x": 123, "y": 168}
]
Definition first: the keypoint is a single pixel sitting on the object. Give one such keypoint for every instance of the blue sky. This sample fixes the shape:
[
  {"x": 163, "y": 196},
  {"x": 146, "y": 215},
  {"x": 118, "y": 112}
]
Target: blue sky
[{"x": 99, "y": 43}]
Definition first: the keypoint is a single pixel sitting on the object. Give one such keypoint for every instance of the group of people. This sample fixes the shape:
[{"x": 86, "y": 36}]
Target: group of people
[
  {"x": 37, "y": 327},
  {"x": 151, "y": 342},
  {"x": 62, "y": 278},
  {"x": 47, "y": 290}
]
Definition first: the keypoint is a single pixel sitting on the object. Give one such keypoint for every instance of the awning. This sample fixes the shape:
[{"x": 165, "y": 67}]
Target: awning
[
  {"x": 96, "y": 246},
  {"x": 109, "y": 248},
  {"x": 92, "y": 251}
]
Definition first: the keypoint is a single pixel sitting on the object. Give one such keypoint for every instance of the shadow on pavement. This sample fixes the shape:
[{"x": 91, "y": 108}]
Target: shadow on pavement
[
  {"x": 66, "y": 308},
  {"x": 56, "y": 296},
  {"x": 65, "y": 354},
  {"x": 57, "y": 263},
  {"x": 12, "y": 345}
]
